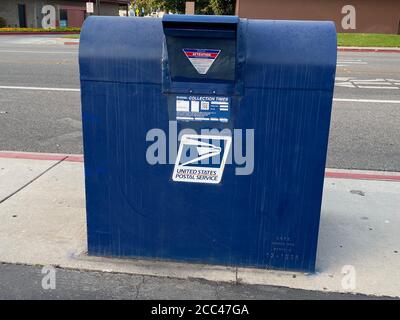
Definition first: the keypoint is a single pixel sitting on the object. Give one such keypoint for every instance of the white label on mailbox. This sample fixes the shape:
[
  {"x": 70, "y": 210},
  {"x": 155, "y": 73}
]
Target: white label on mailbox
[
  {"x": 201, "y": 158},
  {"x": 202, "y": 108},
  {"x": 201, "y": 59}
]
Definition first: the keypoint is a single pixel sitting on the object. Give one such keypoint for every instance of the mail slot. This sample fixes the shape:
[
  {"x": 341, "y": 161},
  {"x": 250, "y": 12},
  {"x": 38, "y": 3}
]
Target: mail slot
[
  {"x": 205, "y": 138},
  {"x": 197, "y": 44}
]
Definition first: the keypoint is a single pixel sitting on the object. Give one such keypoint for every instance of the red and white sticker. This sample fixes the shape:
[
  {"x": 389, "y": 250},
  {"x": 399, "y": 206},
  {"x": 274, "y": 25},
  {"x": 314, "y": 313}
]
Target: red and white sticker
[{"x": 201, "y": 59}]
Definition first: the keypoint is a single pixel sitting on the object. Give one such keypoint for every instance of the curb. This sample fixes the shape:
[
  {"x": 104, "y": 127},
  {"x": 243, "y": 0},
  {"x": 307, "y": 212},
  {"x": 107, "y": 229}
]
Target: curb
[
  {"x": 341, "y": 49},
  {"x": 329, "y": 172},
  {"x": 41, "y": 156},
  {"x": 362, "y": 175},
  {"x": 37, "y": 33}
]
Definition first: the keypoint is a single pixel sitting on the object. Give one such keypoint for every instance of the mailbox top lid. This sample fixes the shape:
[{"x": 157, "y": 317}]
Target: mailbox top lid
[
  {"x": 188, "y": 18},
  {"x": 200, "y": 26},
  {"x": 275, "y": 54}
]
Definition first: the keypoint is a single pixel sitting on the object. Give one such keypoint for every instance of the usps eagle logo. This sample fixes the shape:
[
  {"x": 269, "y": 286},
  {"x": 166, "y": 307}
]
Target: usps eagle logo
[{"x": 201, "y": 158}]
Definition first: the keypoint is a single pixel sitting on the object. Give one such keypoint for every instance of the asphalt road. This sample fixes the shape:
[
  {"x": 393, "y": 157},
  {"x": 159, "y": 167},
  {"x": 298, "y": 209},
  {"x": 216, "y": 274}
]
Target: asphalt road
[
  {"x": 25, "y": 282},
  {"x": 364, "y": 134}
]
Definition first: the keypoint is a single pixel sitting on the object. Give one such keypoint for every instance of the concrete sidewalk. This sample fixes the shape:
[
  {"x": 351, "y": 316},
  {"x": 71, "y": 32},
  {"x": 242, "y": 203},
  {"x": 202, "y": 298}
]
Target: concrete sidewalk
[{"x": 42, "y": 222}]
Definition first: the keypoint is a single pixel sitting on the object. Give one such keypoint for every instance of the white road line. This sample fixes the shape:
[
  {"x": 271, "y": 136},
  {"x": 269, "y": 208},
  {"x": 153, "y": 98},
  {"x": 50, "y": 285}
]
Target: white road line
[
  {"x": 25, "y": 51},
  {"x": 377, "y": 87},
  {"x": 347, "y": 60},
  {"x": 380, "y": 84},
  {"x": 345, "y": 84},
  {"x": 351, "y": 62},
  {"x": 368, "y": 80},
  {"x": 78, "y": 90},
  {"x": 40, "y": 88},
  {"x": 366, "y": 100},
  {"x": 369, "y": 83}
]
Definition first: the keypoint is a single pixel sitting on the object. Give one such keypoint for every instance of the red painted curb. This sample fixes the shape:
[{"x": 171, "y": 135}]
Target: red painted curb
[
  {"x": 32, "y": 156},
  {"x": 37, "y": 33},
  {"x": 368, "y": 50},
  {"x": 71, "y": 43},
  {"x": 361, "y": 176},
  {"x": 79, "y": 158},
  {"x": 41, "y": 156}
]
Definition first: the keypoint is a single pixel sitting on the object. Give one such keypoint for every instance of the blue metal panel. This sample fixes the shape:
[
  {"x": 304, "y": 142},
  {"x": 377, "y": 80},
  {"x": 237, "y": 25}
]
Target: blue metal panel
[
  {"x": 268, "y": 219},
  {"x": 121, "y": 49}
]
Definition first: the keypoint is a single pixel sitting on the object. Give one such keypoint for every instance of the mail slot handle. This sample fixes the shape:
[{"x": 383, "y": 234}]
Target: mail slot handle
[{"x": 200, "y": 26}]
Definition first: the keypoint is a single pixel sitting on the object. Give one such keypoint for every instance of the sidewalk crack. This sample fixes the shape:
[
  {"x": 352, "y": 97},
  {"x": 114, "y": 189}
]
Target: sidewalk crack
[
  {"x": 138, "y": 287},
  {"x": 236, "y": 275},
  {"x": 32, "y": 180}
]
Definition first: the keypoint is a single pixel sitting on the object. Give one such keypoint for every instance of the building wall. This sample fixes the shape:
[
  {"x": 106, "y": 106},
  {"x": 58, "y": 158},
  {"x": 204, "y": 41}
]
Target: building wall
[
  {"x": 372, "y": 16},
  {"x": 9, "y": 11},
  {"x": 34, "y": 16}
]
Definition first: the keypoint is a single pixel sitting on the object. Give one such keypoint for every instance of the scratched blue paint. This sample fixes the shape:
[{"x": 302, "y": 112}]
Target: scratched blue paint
[{"x": 280, "y": 77}]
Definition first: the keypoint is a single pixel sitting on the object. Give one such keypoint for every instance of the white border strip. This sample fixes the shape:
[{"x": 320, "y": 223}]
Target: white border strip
[
  {"x": 365, "y": 100},
  {"x": 40, "y": 88},
  {"x": 78, "y": 90}
]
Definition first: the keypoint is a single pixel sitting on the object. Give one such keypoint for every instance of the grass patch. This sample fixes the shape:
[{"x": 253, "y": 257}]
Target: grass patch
[
  {"x": 72, "y": 36},
  {"x": 368, "y": 40}
]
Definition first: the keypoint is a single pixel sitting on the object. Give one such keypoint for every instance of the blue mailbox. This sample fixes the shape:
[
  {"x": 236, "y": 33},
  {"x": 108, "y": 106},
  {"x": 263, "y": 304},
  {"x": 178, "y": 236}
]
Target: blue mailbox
[{"x": 205, "y": 138}]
